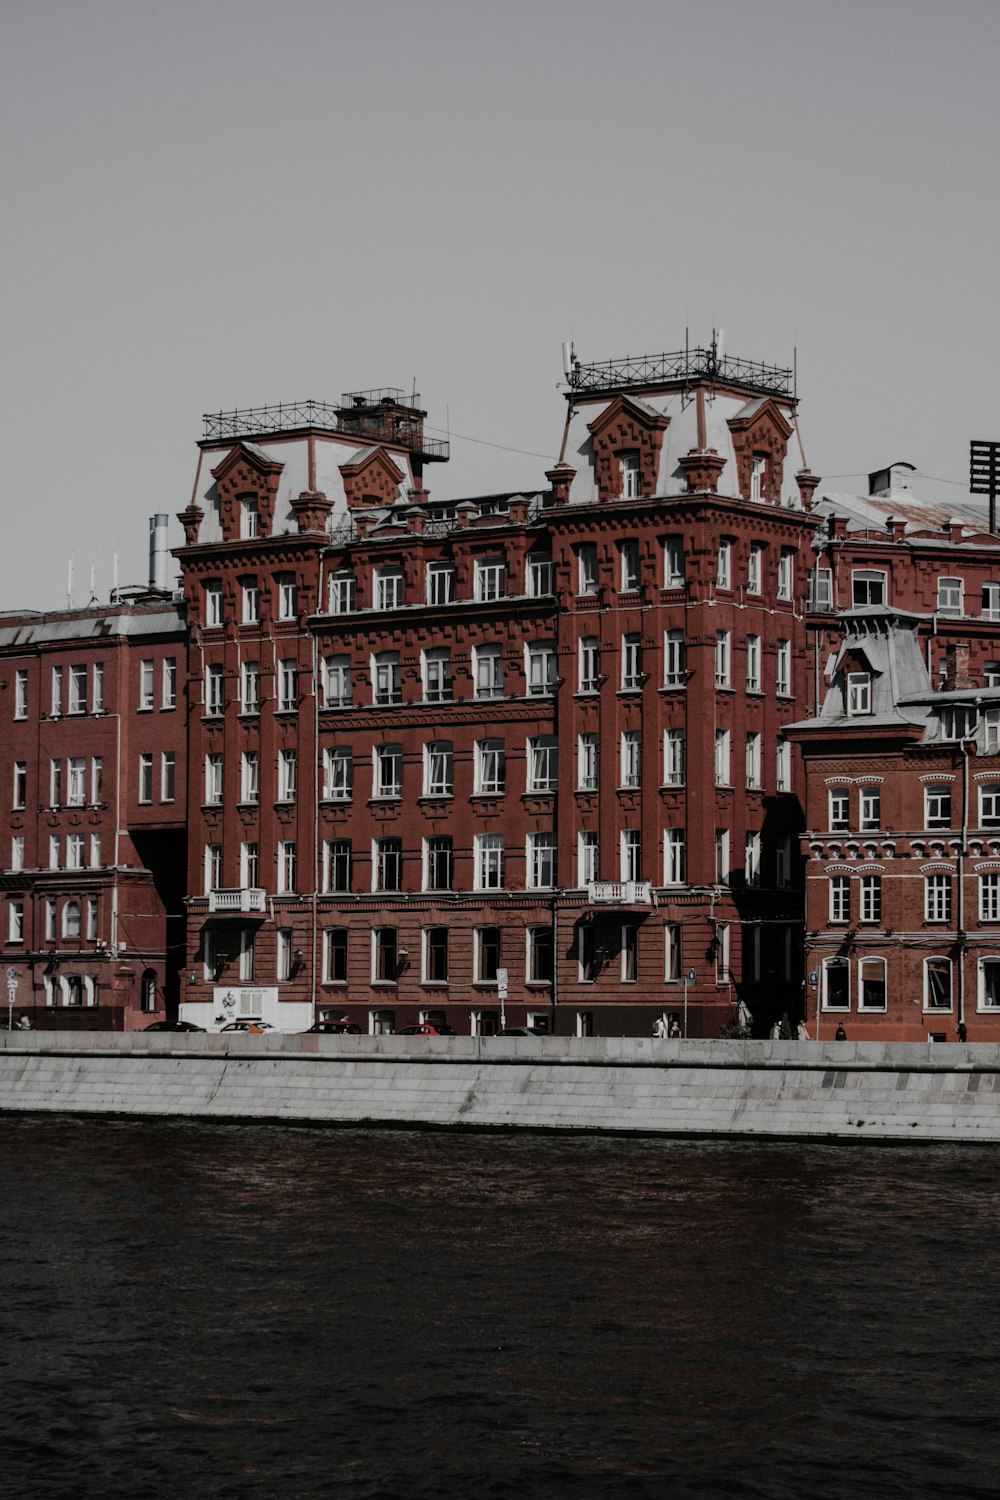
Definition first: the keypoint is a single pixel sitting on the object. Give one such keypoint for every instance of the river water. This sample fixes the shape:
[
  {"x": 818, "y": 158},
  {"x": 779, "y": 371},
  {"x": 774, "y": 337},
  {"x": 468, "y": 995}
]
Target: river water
[{"x": 237, "y": 1311}]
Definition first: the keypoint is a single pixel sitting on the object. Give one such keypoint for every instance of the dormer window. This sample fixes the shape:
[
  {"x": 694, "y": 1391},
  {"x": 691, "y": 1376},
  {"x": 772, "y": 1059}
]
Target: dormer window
[
  {"x": 958, "y": 721},
  {"x": 859, "y": 693},
  {"x": 758, "y": 472},
  {"x": 631, "y": 479},
  {"x": 249, "y": 516}
]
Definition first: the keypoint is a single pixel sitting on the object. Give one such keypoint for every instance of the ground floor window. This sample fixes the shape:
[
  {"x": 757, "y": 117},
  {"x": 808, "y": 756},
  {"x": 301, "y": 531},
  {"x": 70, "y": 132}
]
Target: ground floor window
[
  {"x": 485, "y": 1023},
  {"x": 989, "y": 984},
  {"x": 148, "y": 1000},
  {"x": 585, "y": 1023},
  {"x": 871, "y": 984},
  {"x": 381, "y": 1022},
  {"x": 836, "y": 984},
  {"x": 937, "y": 984}
]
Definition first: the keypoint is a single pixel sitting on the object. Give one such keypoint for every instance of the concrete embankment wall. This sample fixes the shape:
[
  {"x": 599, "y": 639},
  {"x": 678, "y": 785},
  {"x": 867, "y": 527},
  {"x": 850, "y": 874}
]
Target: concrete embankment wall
[{"x": 869, "y": 1090}]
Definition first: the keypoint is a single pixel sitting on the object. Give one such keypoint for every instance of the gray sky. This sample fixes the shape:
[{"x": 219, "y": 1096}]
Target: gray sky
[{"x": 210, "y": 204}]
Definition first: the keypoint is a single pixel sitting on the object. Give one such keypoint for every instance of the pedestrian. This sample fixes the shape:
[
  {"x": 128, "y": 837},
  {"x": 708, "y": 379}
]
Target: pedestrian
[
  {"x": 801, "y": 1032},
  {"x": 659, "y": 1028},
  {"x": 963, "y": 1032},
  {"x": 775, "y": 1032},
  {"x": 840, "y": 1035},
  {"x": 675, "y": 1027}
]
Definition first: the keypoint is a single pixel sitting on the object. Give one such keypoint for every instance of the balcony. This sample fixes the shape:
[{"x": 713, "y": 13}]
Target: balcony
[
  {"x": 247, "y": 900},
  {"x": 620, "y": 893}
]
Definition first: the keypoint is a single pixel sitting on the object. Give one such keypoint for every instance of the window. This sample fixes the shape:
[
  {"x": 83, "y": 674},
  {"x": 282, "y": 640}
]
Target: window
[
  {"x": 989, "y": 805},
  {"x": 71, "y": 920},
  {"x": 755, "y": 567},
  {"x": 587, "y": 664},
  {"x": 673, "y": 562},
  {"x": 673, "y": 856},
  {"x": 95, "y": 851},
  {"x": 147, "y": 671},
  {"x": 630, "y": 953},
  {"x": 783, "y": 766},
  {"x": 213, "y": 867},
  {"x": 486, "y": 954},
  {"x": 543, "y": 764},
  {"x": 438, "y": 863},
  {"x": 723, "y": 973},
  {"x": 628, "y": 572},
  {"x": 213, "y": 610},
  {"x": 437, "y": 675},
  {"x": 937, "y": 807},
  {"x": 937, "y": 984},
  {"x": 586, "y": 567},
  {"x": 671, "y": 951},
  {"x": 989, "y": 984},
  {"x": 840, "y": 899},
  {"x": 586, "y": 953},
  {"x": 673, "y": 658},
  {"x": 631, "y": 662},
  {"x": 439, "y": 769},
  {"x": 214, "y": 690},
  {"x": 385, "y": 963},
  {"x": 758, "y": 474},
  {"x": 488, "y": 665},
  {"x": 871, "y": 809},
  {"x": 871, "y": 984},
  {"x": 989, "y": 898},
  {"x": 631, "y": 478},
  {"x": 250, "y": 865},
  {"x": 145, "y": 778},
  {"x": 958, "y": 722},
  {"x": 168, "y": 775},
  {"x": 21, "y": 693},
  {"x": 871, "y": 898},
  {"x": 586, "y": 762},
  {"x": 76, "y": 781},
  {"x": 836, "y": 984},
  {"x": 753, "y": 663},
  {"x": 15, "y": 919},
  {"x": 338, "y": 689},
  {"x": 249, "y": 516},
  {"x": 541, "y": 668},
  {"x": 490, "y": 768},
  {"x": 724, "y": 565},
  {"x": 283, "y": 954},
  {"x": 783, "y": 860},
  {"x": 387, "y": 865},
  {"x": 859, "y": 693},
  {"x": 50, "y": 919},
  {"x": 387, "y": 682},
  {"x": 820, "y": 589},
  {"x": 722, "y": 659},
  {"x": 342, "y": 593},
  {"x": 630, "y": 758},
  {"x": 168, "y": 683},
  {"x": 539, "y": 965},
  {"x": 287, "y": 775},
  {"x": 287, "y": 861},
  {"x": 868, "y": 588},
  {"x": 55, "y": 783},
  {"x": 751, "y": 859},
  {"x": 77, "y": 690},
  {"x": 586, "y": 858},
  {"x": 75, "y": 851},
  {"x": 490, "y": 579},
  {"x": 722, "y": 758},
  {"x": 541, "y": 575},
  {"x": 17, "y": 852},
  {"x": 991, "y": 601},
  {"x": 991, "y": 730},
  {"x": 673, "y": 757},
  {"x": 337, "y": 865},
  {"x": 213, "y": 778},
  {"x": 288, "y": 596},
  {"x": 541, "y": 861},
  {"x": 338, "y": 773},
  {"x": 250, "y": 687},
  {"x": 489, "y": 861},
  {"x": 57, "y": 692},
  {"x": 753, "y": 760},
  {"x": 630, "y": 854},
  {"x": 388, "y": 771},
  {"x": 783, "y": 668},
  {"x": 439, "y": 583},
  {"x": 250, "y": 601},
  {"x": 840, "y": 810},
  {"x": 96, "y": 780},
  {"x": 786, "y": 567},
  {"x": 950, "y": 596},
  {"x": 92, "y": 918},
  {"x": 388, "y": 588},
  {"x": 250, "y": 776},
  {"x": 435, "y": 955},
  {"x": 288, "y": 685},
  {"x": 937, "y": 898}
]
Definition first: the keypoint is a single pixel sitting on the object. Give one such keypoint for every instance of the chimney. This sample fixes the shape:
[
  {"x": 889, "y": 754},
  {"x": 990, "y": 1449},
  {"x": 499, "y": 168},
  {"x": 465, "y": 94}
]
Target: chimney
[
  {"x": 159, "y": 553},
  {"x": 957, "y": 676}
]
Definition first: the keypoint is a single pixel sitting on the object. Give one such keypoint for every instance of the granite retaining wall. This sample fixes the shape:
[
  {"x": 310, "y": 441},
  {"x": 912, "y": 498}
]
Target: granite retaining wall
[{"x": 872, "y": 1090}]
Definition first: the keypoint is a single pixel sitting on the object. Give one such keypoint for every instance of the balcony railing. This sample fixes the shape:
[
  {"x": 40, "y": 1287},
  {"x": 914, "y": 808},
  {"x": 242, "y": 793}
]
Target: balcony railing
[
  {"x": 244, "y": 899},
  {"x": 620, "y": 893}
]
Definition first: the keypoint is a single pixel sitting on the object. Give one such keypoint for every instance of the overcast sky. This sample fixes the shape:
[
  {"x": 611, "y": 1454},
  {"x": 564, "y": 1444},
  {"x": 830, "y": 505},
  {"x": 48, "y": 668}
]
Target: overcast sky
[{"x": 208, "y": 205}]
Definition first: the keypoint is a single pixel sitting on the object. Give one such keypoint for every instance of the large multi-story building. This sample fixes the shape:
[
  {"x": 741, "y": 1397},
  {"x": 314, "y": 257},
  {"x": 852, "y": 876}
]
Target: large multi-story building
[{"x": 559, "y": 758}]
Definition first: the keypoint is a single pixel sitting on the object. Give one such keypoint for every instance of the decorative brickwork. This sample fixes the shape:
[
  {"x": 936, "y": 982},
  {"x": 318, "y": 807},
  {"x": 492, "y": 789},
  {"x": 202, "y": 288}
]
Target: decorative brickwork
[
  {"x": 764, "y": 431},
  {"x": 626, "y": 426},
  {"x": 372, "y": 480},
  {"x": 246, "y": 474}
]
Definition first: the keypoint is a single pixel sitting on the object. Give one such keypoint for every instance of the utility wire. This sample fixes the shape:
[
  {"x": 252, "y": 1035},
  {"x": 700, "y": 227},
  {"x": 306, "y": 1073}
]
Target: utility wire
[{"x": 484, "y": 443}]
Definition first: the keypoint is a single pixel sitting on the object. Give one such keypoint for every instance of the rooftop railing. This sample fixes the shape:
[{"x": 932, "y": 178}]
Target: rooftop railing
[
  {"x": 684, "y": 364},
  {"x": 385, "y": 415}
]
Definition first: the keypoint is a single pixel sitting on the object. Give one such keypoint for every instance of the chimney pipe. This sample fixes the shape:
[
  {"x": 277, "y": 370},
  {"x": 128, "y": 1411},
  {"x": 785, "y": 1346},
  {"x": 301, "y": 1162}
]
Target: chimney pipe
[{"x": 159, "y": 552}]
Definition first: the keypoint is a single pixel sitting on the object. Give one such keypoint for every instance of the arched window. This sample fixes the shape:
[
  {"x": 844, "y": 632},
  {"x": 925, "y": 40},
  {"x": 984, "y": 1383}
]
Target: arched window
[
  {"x": 149, "y": 989},
  {"x": 71, "y": 920}
]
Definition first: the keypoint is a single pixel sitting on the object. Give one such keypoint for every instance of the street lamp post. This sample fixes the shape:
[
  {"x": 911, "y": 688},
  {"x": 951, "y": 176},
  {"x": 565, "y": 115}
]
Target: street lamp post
[{"x": 689, "y": 978}]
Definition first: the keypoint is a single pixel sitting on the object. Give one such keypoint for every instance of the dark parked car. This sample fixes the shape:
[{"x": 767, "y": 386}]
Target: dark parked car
[
  {"x": 520, "y": 1031},
  {"x": 334, "y": 1028},
  {"x": 173, "y": 1026}
]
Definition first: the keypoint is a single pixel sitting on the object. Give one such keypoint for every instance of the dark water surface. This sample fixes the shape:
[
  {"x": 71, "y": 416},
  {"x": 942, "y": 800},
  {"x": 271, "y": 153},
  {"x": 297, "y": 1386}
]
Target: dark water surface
[{"x": 215, "y": 1311}]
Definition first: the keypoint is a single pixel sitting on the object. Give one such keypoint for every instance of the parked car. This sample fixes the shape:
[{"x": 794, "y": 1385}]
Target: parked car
[
  {"x": 423, "y": 1029},
  {"x": 172, "y": 1026},
  {"x": 520, "y": 1031},
  {"x": 334, "y": 1028},
  {"x": 248, "y": 1026}
]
